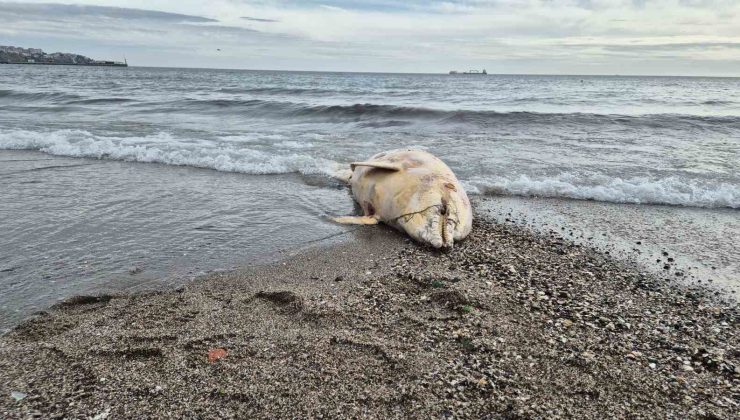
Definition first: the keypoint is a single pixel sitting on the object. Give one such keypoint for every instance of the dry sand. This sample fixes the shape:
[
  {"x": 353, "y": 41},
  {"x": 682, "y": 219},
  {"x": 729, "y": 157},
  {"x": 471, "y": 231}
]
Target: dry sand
[{"x": 507, "y": 325}]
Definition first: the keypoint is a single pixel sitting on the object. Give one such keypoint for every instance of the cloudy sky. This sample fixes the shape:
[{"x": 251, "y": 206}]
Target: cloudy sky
[{"x": 661, "y": 37}]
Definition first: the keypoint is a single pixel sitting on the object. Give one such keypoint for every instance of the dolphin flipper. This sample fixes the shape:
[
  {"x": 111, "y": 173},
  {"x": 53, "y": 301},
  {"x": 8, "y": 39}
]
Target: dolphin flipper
[
  {"x": 378, "y": 165},
  {"x": 343, "y": 175},
  {"x": 356, "y": 220}
]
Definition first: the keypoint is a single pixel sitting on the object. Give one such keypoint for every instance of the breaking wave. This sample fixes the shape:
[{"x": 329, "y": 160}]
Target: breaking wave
[
  {"x": 640, "y": 190},
  {"x": 280, "y": 155},
  {"x": 227, "y": 155}
]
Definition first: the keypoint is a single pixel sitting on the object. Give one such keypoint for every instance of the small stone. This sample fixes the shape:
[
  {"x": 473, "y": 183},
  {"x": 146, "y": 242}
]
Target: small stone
[
  {"x": 18, "y": 395},
  {"x": 135, "y": 270},
  {"x": 102, "y": 415},
  {"x": 338, "y": 278},
  {"x": 652, "y": 365},
  {"x": 566, "y": 323}
]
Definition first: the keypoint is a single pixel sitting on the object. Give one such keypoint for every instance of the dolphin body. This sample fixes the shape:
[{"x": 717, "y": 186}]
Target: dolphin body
[{"x": 413, "y": 191}]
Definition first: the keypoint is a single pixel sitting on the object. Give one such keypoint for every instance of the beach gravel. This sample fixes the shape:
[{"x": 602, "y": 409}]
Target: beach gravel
[{"x": 509, "y": 324}]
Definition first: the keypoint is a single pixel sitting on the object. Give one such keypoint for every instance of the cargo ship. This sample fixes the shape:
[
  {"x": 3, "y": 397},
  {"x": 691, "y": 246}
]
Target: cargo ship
[{"x": 469, "y": 72}]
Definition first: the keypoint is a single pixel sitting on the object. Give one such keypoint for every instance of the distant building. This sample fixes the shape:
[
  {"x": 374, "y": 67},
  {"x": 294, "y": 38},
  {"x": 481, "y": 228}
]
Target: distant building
[{"x": 18, "y": 55}]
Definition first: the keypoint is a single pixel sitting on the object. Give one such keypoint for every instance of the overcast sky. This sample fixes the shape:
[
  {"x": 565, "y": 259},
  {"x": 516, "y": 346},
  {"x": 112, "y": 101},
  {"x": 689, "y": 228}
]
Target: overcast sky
[{"x": 660, "y": 37}]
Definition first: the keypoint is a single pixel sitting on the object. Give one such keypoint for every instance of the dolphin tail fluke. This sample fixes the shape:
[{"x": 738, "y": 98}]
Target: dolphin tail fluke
[{"x": 356, "y": 220}]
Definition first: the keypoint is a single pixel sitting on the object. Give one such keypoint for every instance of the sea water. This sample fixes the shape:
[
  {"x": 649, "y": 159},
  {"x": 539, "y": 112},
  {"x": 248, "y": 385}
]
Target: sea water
[{"x": 115, "y": 179}]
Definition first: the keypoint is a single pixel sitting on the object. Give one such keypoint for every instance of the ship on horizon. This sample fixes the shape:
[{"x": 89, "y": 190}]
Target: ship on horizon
[{"x": 469, "y": 72}]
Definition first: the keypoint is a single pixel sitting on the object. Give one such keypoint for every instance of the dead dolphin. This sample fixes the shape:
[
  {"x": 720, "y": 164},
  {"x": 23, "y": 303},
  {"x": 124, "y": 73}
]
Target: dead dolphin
[{"x": 413, "y": 191}]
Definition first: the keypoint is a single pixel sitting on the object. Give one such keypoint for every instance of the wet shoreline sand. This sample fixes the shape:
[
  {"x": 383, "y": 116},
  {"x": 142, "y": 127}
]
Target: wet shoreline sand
[{"x": 508, "y": 324}]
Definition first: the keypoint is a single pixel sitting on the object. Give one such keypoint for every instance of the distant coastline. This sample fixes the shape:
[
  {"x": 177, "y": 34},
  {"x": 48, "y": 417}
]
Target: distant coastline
[{"x": 19, "y": 55}]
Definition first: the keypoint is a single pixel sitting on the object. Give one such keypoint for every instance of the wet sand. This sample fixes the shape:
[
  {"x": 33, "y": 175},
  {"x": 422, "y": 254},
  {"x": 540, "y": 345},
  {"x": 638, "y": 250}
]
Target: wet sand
[
  {"x": 74, "y": 226},
  {"x": 692, "y": 245},
  {"x": 508, "y": 324}
]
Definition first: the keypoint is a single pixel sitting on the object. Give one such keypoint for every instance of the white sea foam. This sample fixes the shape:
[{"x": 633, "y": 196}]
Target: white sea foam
[
  {"x": 289, "y": 144},
  {"x": 671, "y": 190},
  {"x": 227, "y": 156},
  {"x": 253, "y": 154}
]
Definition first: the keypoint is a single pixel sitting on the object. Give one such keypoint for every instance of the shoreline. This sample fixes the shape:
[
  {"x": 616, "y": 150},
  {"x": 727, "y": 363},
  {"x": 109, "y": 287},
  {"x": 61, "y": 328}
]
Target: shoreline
[
  {"x": 509, "y": 323},
  {"x": 684, "y": 244}
]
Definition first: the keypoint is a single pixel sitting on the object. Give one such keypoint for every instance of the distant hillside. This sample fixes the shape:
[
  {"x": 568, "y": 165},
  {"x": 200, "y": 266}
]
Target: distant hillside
[{"x": 18, "y": 55}]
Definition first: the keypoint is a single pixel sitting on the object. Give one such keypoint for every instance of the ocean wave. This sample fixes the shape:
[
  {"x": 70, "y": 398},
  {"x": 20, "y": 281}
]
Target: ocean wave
[
  {"x": 285, "y": 91},
  {"x": 598, "y": 187},
  {"x": 717, "y": 102},
  {"x": 365, "y": 115},
  {"x": 99, "y": 101},
  {"x": 226, "y": 156},
  {"x": 384, "y": 115},
  {"x": 54, "y": 99},
  {"x": 278, "y": 154},
  {"x": 18, "y": 97},
  {"x": 557, "y": 100},
  {"x": 316, "y": 92}
]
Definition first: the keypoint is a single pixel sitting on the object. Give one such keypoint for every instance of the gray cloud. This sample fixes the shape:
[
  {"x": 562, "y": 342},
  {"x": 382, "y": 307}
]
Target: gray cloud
[
  {"x": 507, "y": 36},
  {"x": 679, "y": 46},
  {"x": 684, "y": 47},
  {"x": 254, "y": 19},
  {"x": 61, "y": 11}
]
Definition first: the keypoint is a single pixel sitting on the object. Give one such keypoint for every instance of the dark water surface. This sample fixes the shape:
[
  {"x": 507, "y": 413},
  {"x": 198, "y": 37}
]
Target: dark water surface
[{"x": 244, "y": 162}]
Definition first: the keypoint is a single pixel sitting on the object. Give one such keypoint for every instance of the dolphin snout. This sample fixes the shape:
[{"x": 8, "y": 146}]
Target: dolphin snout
[
  {"x": 434, "y": 226},
  {"x": 441, "y": 231}
]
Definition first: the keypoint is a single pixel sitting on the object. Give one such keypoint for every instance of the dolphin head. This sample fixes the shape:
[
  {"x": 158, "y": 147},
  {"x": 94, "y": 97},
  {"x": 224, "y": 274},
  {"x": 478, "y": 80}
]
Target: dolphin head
[{"x": 438, "y": 215}]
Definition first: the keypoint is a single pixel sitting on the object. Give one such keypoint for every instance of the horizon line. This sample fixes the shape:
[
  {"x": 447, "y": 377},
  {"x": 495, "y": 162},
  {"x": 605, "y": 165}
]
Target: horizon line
[
  {"x": 421, "y": 73},
  {"x": 435, "y": 73}
]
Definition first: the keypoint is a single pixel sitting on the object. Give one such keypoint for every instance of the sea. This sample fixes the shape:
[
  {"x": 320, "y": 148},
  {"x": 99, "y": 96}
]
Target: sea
[{"x": 115, "y": 180}]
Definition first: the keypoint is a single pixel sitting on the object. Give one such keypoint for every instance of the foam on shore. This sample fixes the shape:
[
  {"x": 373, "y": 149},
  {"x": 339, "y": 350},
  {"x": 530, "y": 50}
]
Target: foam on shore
[{"x": 276, "y": 154}]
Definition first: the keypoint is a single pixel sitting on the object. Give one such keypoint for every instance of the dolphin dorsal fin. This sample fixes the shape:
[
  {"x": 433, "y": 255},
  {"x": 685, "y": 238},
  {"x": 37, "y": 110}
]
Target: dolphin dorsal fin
[{"x": 378, "y": 165}]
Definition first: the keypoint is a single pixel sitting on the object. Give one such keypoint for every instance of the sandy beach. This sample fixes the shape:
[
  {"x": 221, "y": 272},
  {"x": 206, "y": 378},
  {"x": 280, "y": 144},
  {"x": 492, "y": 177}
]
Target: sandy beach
[{"x": 509, "y": 324}]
